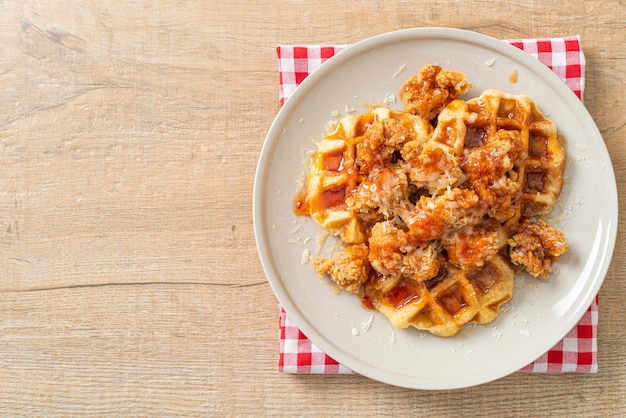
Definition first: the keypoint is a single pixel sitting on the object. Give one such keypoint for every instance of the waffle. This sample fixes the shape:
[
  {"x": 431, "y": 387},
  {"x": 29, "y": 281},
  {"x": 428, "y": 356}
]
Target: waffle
[
  {"x": 446, "y": 303},
  {"x": 439, "y": 205},
  {"x": 335, "y": 172},
  {"x": 539, "y": 157}
]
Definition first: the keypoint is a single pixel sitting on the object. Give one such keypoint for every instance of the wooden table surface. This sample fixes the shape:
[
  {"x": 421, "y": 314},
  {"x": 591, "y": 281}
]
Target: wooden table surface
[{"x": 129, "y": 279}]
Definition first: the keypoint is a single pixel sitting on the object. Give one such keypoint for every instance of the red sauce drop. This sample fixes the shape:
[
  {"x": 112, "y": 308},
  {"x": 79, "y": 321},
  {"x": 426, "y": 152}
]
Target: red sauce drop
[
  {"x": 362, "y": 125},
  {"x": 401, "y": 295},
  {"x": 367, "y": 303},
  {"x": 333, "y": 162},
  {"x": 332, "y": 197},
  {"x": 300, "y": 205}
]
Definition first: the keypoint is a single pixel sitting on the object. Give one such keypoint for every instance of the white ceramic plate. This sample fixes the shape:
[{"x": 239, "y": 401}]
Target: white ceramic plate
[{"x": 540, "y": 314}]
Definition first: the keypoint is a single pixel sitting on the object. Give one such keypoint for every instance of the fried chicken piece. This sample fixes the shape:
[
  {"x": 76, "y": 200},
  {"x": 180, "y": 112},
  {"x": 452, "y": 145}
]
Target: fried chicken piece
[
  {"x": 535, "y": 246},
  {"x": 349, "y": 269},
  {"x": 428, "y": 92},
  {"x": 392, "y": 253},
  {"x": 431, "y": 167},
  {"x": 379, "y": 143},
  {"x": 432, "y": 216},
  {"x": 380, "y": 195},
  {"x": 489, "y": 168},
  {"x": 473, "y": 245}
]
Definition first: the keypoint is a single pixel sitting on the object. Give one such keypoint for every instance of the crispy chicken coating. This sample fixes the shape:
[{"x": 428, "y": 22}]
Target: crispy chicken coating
[
  {"x": 379, "y": 143},
  {"x": 489, "y": 169},
  {"x": 392, "y": 253},
  {"x": 433, "y": 216},
  {"x": 382, "y": 193},
  {"x": 349, "y": 269},
  {"x": 431, "y": 167},
  {"x": 428, "y": 92},
  {"x": 535, "y": 246},
  {"x": 472, "y": 245}
]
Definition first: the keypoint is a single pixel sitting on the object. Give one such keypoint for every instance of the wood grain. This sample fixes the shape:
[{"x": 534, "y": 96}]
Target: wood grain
[{"x": 129, "y": 278}]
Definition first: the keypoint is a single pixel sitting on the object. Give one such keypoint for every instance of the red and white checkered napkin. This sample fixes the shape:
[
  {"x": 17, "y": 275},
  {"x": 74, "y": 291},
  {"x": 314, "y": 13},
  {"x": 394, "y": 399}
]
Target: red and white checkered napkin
[{"x": 577, "y": 352}]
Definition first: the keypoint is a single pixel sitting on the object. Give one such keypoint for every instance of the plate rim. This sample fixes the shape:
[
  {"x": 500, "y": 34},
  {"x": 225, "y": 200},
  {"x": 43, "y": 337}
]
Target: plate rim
[{"x": 272, "y": 138}]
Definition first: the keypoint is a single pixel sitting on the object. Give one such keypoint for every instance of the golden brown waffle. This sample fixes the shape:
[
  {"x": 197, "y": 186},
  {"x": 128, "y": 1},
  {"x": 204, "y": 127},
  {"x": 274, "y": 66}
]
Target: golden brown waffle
[
  {"x": 539, "y": 157},
  {"x": 434, "y": 212},
  {"x": 446, "y": 303},
  {"x": 335, "y": 172}
]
